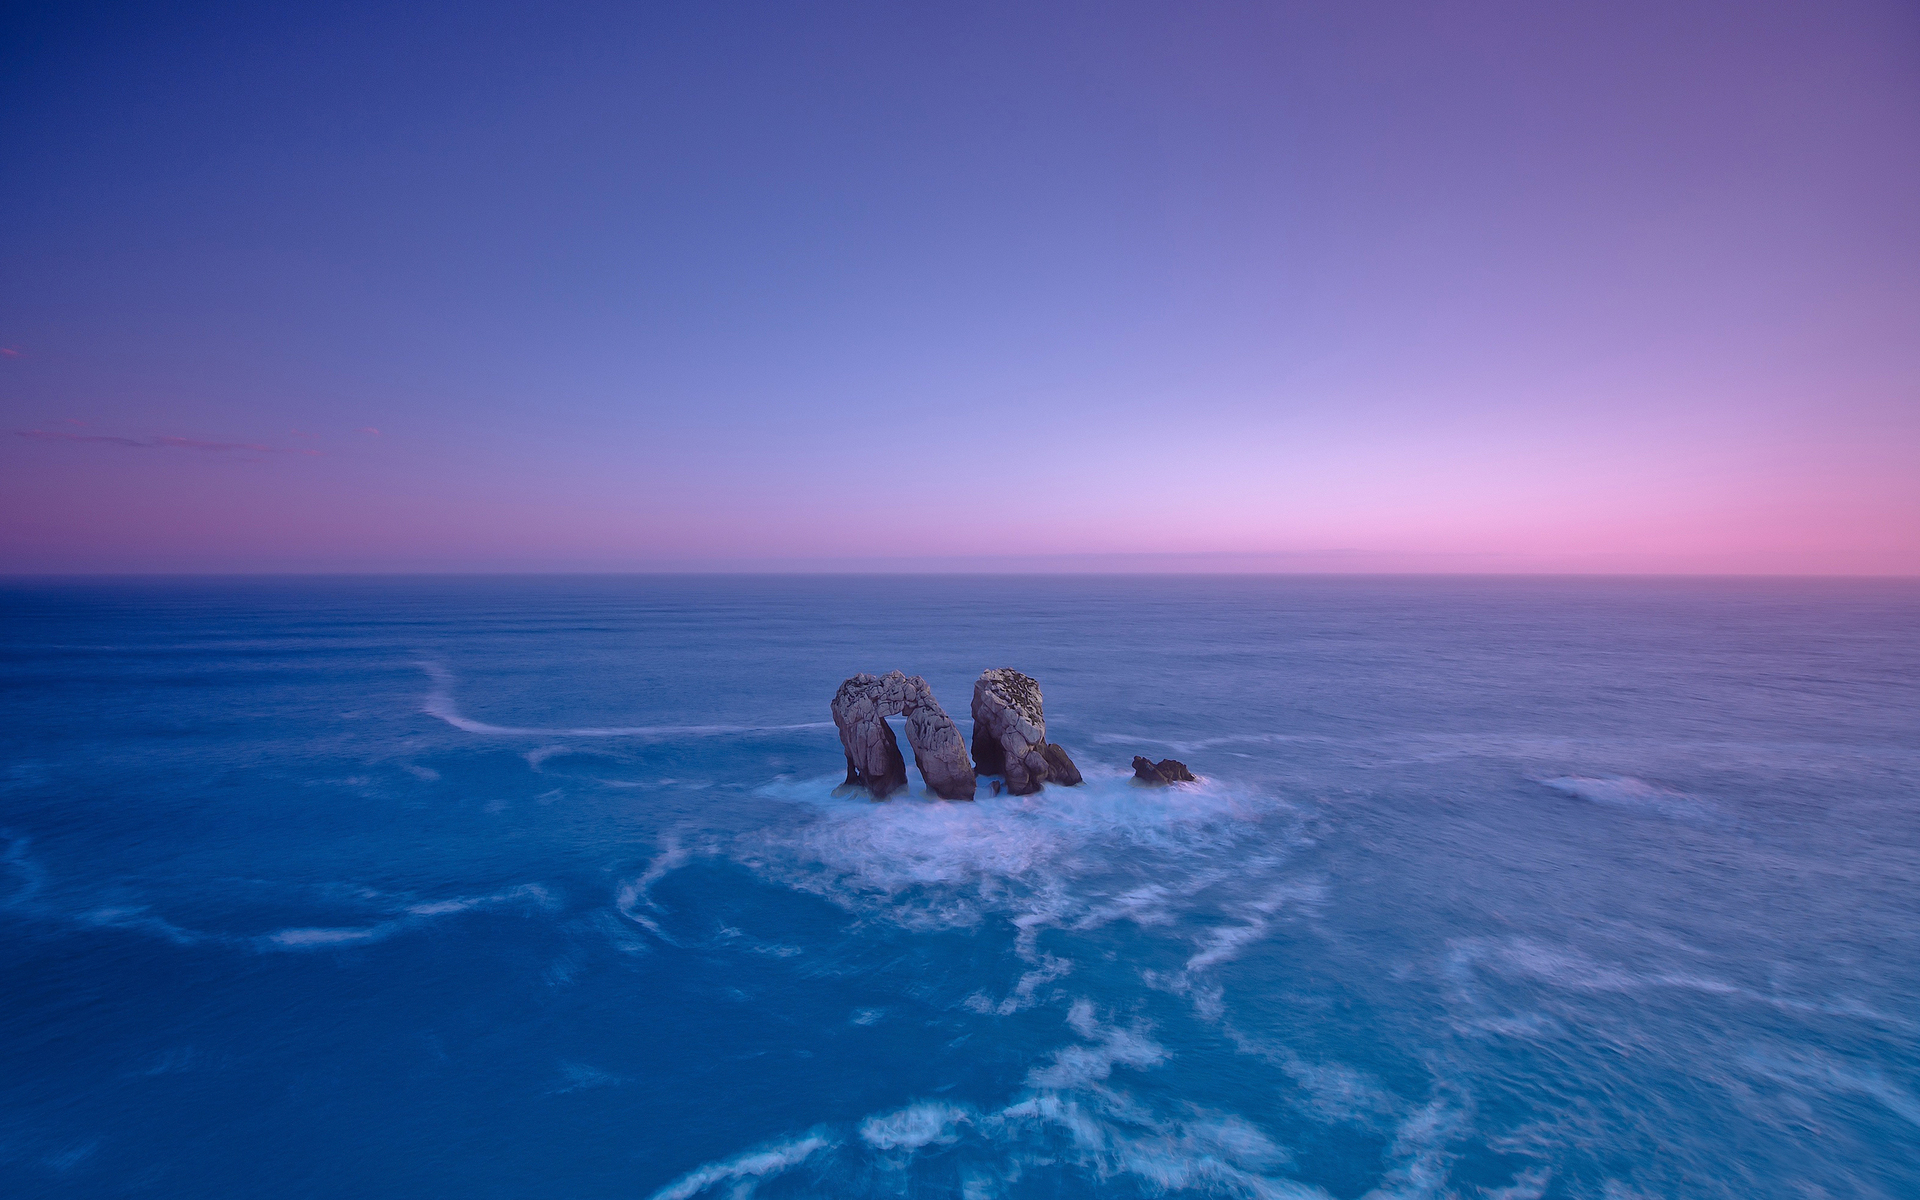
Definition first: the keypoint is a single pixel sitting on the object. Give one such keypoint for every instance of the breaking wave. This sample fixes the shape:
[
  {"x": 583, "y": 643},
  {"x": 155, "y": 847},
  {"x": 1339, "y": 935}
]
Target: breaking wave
[{"x": 1082, "y": 857}]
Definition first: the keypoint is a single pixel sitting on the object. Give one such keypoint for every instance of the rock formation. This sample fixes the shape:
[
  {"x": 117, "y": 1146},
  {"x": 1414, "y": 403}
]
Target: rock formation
[
  {"x": 1060, "y": 768},
  {"x": 1010, "y": 734},
  {"x": 1166, "y": 771},
  {"x": 860, "y": 711}
]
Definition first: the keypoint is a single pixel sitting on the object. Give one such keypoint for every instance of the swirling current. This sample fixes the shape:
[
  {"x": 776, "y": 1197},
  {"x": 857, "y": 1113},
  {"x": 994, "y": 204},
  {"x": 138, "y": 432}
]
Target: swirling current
[{"x": 543, "y": 887}]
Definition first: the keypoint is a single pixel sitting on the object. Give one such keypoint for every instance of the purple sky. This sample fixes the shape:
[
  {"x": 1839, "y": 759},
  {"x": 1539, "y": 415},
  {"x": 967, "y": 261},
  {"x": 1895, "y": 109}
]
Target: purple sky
[{"x": 1462, "y": 287}]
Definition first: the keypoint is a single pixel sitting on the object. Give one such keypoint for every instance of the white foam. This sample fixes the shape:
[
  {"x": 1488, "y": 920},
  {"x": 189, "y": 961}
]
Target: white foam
[
  {"x": 770, "y": 1159},
  {"x": 1201, "y": 744},
  {"x": 1108, "y": 1135},
  {"x": 580, "y": 1075},
  {"x": 1530, "y": 1184},
  {"x": 915, "y": 1126},
  {"x": 635, "y": 900},
  {"x": 1829, "y": 1074},
  {"x": 439, "y": 703},
  {"x": 300, "y": 939},
  {"x": 1624, "y": 791},
  {"x": 1065, "y": 856},
  {"x": 1334, "y": 1092},
  {"x": 1225, "y": 942},
  {"x": 1025, "y": 989},
  {"x": 1574, "y": 971},
  {"x": 1078, "y": 1066},
  {"x": 137, "y": 917},
  {"x": 1420, "y": 1146},
  {"x": 409, "y": 916},
  {"x": 1090, "y": 1128},
  {"x": 440, "y": 908}
]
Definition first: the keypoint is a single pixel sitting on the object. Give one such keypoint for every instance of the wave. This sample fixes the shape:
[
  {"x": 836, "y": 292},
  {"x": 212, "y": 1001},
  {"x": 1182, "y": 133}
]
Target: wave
[
  {"x": 1624, "y": 791},
  {"x": 29, "y": 902},
  {"x": 1064, "y": 857},
  {"x": 31, "y": 875},
  {"x": 634, "y": 898},
  {"x": 915, "y": 1127},
  {"x": 1077, "y": 1066},
  {"x": 1071, "y": 1122},
  {"x": 770, "y": 1159},
  {"x": 410, "y": 917},
  {"x": 1570, "y": 970},
  {"x": 1824, "y": 1073},
  {"x": 439, "y": 703},
  {"x": 1208, "y": 871},
  {"x": 1228, "y": 739}
]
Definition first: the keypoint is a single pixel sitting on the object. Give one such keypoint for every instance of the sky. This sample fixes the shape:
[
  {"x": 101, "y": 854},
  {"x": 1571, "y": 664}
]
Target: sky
[{"x": 1403, "y": 287}]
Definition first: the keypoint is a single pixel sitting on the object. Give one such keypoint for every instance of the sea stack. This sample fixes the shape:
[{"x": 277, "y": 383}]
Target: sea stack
[
  {"x": 1010, "y": 734},
  {"x": 860, "y": 711},
  {"x": 1159, "y": 774}
]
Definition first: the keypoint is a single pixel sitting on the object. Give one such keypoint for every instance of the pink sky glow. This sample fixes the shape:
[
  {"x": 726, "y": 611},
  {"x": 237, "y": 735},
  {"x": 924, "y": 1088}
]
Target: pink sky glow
[{"x": 1483, "y": 288}]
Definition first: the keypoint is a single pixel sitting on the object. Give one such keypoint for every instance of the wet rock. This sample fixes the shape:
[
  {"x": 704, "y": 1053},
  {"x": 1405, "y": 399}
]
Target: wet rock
[
  {"x": 1060, "y": 768},
  {"x": 1010, "y": 733},
  {"x": 860, "y": 711},
  {"x": 873, "y": 756},
  {"x": 1167, "y": 770},
  {"x": 1174, "y": 771},
  {"x": 939, "y": 751}
]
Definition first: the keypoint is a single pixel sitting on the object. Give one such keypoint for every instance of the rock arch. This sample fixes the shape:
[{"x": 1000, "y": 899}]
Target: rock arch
[{"x": 860, "y": 711}]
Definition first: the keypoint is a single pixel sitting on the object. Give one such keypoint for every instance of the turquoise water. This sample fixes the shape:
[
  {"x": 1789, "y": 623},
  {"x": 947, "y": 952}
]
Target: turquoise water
[{"x": 542, "y": 888}]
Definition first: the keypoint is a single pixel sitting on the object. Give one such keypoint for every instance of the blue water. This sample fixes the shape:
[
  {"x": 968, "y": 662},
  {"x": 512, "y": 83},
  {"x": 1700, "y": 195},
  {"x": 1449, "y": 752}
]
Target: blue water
[{"x": 542, "y": 888}]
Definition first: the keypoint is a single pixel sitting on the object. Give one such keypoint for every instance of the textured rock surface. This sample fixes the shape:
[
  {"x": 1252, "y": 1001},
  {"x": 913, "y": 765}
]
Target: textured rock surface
[
  {"x": 1010, "y": 733},
  {"x": 938, "y": 749},
  {"x": 1167, "y": 770},
  {"x": 860, "y": 711},
  {"x": 1174, "y": 771},
  {"x": 873, "y": 754},
  {"x": 1060, "y": 768}
]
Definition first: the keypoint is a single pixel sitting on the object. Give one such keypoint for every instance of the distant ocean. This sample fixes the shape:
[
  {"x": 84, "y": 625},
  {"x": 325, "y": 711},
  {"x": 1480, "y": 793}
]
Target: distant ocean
[{"x": 541, "y": 887}]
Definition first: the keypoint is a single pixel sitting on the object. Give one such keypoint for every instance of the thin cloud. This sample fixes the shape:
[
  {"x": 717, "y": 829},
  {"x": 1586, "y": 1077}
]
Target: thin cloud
[
  {"x": 8, "y": 352},
  {"x": 61, "y": 435},
  {"x": 368, "y": 429},
  {"x": 192, "y": 444},
  {"x": 165, "y": 441}
]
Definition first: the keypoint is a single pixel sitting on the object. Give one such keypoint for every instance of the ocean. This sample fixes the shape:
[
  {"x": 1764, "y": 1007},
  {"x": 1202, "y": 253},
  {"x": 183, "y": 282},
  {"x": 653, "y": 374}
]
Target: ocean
[{"x": 545, "y": 887}]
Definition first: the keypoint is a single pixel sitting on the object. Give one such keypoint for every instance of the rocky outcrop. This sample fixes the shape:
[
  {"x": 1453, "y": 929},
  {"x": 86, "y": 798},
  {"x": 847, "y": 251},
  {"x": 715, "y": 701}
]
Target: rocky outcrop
[
  {"x": 860, "y": 711},
  {"x": 1010, "y": 734},
  {"x": 1166, "y": 771},
  {"x": 939, "y": 752},
  {"x": 873, "y": 753},
  {"x": 1060, "y": 768}
]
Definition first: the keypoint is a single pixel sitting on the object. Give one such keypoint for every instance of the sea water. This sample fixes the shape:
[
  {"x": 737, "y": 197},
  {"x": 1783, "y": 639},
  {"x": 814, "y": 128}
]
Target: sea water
[{"x": 547, "y": 888}]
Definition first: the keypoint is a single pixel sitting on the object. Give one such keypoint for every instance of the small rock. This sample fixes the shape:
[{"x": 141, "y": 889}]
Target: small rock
[
  {"x": 1060, "y": 768},
  {"x": 1174, "y": 771},
  {"x": 1166, "y": 771}
]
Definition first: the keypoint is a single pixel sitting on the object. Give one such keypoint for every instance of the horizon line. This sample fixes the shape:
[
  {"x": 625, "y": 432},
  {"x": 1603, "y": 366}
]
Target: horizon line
[{"x": 778, "y": 573}]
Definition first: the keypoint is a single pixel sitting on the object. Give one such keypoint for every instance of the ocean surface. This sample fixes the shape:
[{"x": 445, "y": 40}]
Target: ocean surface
[{"x": 543, "y": 888}]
